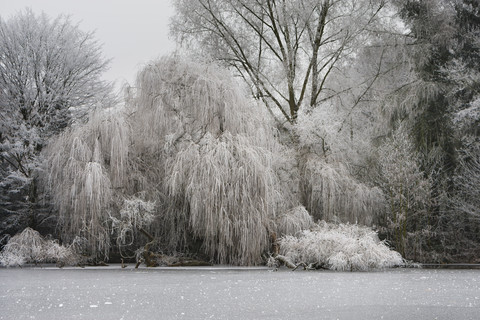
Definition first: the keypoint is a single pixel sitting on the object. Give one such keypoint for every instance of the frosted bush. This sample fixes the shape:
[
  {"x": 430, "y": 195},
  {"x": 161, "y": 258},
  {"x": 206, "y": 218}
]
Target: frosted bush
[
  {"x": 30, "y": 247},
  {"x": 27, "y": 246},
  {"x": 62, "y": 255},
  {"x": 339, "y": 247},
  {"x": 9, "y": 258}
]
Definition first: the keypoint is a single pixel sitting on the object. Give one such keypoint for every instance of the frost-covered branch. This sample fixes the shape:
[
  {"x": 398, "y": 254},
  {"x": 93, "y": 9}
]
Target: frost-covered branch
[
  {"x": 338, "y": 247},
  {"x": 285, "y": 50},
  {"x": 30, "y": 247}
]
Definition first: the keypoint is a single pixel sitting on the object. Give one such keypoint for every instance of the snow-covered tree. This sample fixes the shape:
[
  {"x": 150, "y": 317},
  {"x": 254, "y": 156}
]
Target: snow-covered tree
[
  {"x": 331, "y": 188},
  {"x": 188, "y": 140},
  {"x": 49, "y": 77},
  {"x": 439, "y": 107},
  {"x": 408, "y": 196},
  {"x": 86, "y": 165},
  {"x": 285, "y": 50},
  {"x": 303, "y": 59},
  {"x": 467, "y": 181}
]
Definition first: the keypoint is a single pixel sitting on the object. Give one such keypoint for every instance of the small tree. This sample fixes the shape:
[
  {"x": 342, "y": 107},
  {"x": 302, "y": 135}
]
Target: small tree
[{"x": 135, "y": 215}]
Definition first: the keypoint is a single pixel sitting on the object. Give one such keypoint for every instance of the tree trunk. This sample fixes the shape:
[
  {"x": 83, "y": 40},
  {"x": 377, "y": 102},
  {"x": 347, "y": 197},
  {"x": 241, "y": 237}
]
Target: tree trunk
[{"x": 147, "y": 256}]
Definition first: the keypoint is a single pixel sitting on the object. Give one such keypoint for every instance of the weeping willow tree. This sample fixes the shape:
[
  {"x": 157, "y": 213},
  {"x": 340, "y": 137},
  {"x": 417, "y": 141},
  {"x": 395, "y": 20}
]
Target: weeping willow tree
[
  {"x": 331, "y": 193},
  {"x": 187, "y": 140},
  {"x": 87, "y": 172},
  {"x": 216, "y": 160}
]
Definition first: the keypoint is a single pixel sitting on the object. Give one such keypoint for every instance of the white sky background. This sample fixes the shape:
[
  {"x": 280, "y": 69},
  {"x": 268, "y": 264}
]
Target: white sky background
[{"x": 132, "y": 32}]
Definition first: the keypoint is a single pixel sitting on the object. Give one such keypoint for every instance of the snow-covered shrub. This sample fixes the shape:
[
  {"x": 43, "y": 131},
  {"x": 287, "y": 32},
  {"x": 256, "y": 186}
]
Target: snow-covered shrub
[
  {"x": 339, "y": 247},
  {"x": 27, "y": 246},
  {"x": 61, "y": 255},
  {"x": 30, "y": 247}
]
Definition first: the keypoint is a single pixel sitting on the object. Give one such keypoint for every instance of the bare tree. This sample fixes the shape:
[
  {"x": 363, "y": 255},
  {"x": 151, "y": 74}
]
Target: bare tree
[{"x": 285, "y": 50}]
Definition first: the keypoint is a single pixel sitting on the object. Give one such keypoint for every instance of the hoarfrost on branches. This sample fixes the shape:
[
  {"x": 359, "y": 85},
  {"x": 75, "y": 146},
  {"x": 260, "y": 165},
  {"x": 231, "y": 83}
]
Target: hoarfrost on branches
[
  {"x": 45, "y": 86},
  {"x": 83, "y": 163},
  {"x": 330, "y": 154},
  {"x": 216, "y": 155},
  {"x": 285, "y": 50},
  {"x": 467, "y": 196},
  {"x": 30, "y": 247},
  {"x": 135, "y": 214},
  {"x": 50, "y": 77},
  {"x": 339, "y": 247},
  {"x": 408, "y": 193},
  {"x": 333, "y": 194},
  {"x": 294, "y": 221},
  {"x": 188, "y": 140}
]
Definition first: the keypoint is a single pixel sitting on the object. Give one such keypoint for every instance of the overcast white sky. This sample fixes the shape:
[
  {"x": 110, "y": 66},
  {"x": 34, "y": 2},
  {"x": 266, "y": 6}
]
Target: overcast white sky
[{"x": 132, "y": 31}]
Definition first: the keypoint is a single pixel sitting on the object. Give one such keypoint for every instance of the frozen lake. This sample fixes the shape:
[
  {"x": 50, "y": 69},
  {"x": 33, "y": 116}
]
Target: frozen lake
[{"x": 235, "y": 293}]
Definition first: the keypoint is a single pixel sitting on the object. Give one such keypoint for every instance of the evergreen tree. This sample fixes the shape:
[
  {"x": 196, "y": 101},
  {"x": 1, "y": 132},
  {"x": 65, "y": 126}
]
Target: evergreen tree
[{"x": 443, "y": 118}]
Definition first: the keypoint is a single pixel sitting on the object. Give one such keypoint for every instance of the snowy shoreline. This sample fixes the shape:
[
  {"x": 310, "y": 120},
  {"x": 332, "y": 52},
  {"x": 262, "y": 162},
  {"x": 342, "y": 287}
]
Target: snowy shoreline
[{"x": 131, "y": 266}]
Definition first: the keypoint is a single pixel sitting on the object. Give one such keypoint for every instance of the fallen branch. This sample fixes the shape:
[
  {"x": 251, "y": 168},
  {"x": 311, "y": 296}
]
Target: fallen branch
[
  {"x": 285, "y": 261},
  {"x": 278, "y": 260},
  {"x": 147, "y": 256}
]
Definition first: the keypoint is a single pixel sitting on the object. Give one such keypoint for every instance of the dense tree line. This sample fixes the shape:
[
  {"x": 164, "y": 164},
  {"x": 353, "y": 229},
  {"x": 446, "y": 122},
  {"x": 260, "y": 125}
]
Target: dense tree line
[{"x": 362, "y": 111}]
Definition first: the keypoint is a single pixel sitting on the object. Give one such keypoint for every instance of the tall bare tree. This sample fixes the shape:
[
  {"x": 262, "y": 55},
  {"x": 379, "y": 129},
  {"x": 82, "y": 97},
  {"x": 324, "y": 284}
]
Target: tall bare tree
[{"x": 285, "y": 50}]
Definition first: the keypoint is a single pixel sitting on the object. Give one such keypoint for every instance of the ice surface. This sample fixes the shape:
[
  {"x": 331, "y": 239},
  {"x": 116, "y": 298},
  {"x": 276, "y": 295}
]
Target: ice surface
[{"x": 237, "y": 293}]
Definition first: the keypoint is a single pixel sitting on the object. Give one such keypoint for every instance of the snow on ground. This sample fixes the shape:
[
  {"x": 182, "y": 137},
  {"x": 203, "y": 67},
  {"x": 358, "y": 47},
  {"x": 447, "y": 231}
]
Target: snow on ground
[{"x": 237, "y": 293}]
